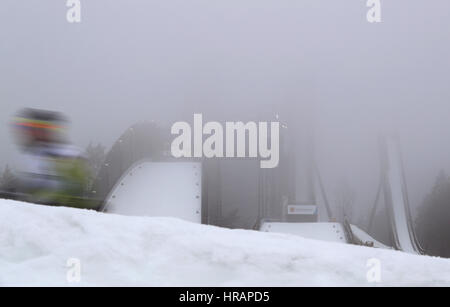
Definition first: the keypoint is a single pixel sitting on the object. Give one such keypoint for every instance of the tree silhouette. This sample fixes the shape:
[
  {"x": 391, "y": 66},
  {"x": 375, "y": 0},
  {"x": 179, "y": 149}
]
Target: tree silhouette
[
  {"x": 433, "y": 220},
  {"x": 95, "y": 156},
  {"x": 8, "y": 182}
]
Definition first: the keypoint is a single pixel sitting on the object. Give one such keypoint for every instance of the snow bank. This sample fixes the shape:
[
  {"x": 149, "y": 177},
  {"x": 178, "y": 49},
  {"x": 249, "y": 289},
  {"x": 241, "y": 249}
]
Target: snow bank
[{"x": 37, "y": 241}]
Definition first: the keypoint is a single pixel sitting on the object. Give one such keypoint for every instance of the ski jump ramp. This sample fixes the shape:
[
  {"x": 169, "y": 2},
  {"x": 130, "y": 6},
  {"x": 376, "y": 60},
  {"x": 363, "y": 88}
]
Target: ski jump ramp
[
  {"x": 397, "y": 205},
  {"x": 396, "y": 197},
  {"x": 138, "y": 179},
  {"x": 158, "y": 189}
]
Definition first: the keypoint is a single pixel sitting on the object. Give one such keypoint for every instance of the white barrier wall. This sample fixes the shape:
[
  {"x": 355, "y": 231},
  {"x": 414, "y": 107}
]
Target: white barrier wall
[
  {"x": 332, "y": 232},
  {"x": 159, "y": 189}
]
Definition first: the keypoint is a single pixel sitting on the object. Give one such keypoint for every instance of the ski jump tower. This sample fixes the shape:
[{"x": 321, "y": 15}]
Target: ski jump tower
[
  {"x": 393, "y": 187},
  {"x": 139, "y": 177}
]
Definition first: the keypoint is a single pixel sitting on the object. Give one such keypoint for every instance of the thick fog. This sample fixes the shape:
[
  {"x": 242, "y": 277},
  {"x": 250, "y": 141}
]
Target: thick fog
[{"x": 132, "y": 60}]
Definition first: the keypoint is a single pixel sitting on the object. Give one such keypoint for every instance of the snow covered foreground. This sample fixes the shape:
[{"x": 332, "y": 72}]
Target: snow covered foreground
[{"x": 37, "y": 241}]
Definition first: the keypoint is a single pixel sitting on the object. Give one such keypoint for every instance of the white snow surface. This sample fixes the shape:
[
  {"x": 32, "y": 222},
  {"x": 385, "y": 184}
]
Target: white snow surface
[{"x": 36, "y": 242}]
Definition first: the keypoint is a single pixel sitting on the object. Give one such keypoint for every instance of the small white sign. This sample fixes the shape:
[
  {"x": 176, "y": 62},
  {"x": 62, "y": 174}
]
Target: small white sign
[{"x": 302, "y": 209}]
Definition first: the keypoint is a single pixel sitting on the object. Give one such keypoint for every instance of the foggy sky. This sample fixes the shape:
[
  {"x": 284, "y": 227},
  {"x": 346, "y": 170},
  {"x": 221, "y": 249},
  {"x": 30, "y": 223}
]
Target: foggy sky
[{"x": 134, "y": 60}]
